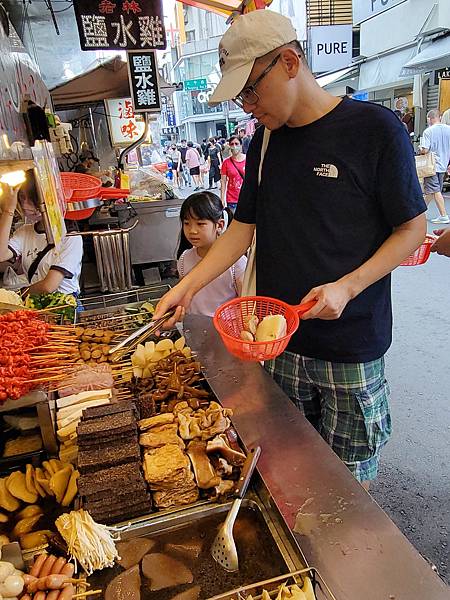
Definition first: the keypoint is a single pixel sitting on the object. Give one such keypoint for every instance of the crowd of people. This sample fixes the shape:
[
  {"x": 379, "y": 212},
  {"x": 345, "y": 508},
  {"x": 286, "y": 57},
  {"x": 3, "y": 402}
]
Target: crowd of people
[{"x": 219, "y": 161}]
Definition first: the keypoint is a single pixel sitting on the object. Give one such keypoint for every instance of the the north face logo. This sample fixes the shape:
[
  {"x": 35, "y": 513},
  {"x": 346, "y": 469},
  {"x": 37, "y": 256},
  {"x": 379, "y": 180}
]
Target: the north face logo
[{"x": 326, "y": 171}]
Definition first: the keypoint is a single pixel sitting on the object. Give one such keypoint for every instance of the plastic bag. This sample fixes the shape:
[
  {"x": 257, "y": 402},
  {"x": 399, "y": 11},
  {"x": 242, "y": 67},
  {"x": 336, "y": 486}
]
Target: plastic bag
[
  {"x": 13, "y": 281},
  {"x": 147, "y": 181}
]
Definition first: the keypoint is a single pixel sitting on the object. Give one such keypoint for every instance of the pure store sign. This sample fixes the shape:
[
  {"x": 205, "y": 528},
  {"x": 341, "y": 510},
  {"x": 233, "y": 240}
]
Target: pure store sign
[{"x": 331, "y": 47}]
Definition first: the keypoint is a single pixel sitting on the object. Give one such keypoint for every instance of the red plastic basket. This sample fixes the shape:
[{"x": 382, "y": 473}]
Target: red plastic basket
[
  {"x": 421, "y": 255},
  {"x": 229, "y": 322},
  {"x": 79, "y": 186}
]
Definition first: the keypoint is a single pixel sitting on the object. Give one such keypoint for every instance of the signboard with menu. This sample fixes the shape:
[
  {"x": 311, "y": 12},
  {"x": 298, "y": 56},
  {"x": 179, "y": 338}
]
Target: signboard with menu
[
  {"x": 120, "y": 24},
  {"x": 143, "y": 77},
  {"x": 51, "y": 192},
  {"x": 124, "y": 129}
]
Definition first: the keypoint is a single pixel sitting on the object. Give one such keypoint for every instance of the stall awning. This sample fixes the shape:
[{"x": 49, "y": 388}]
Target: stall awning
[
  {"x": 330, "y": 78},
  {"x": 107, "y": 79},
  {"x": 435, "y": 56},
  {"x": 384, "y": 71}
]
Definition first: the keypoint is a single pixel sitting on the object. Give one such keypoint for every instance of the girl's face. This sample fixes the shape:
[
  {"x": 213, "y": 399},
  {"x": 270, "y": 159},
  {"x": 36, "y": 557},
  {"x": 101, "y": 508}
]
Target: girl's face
[{"x": 201, "y": 232}]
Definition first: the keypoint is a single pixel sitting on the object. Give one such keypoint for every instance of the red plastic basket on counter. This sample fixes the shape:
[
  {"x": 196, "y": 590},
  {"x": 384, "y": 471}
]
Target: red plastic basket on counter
[
  {"x": 421, "y": 255},
  {"x": 229, "y": 322},
  {"x": 79, "y": 186}
]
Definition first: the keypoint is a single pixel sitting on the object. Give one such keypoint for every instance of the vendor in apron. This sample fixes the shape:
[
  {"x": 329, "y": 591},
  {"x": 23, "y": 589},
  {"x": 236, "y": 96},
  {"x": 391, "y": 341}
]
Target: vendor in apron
[{"x": 48, "y": 268}]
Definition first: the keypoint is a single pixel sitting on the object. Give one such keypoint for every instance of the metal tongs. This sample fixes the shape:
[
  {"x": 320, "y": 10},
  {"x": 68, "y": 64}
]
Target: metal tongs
[
  {"x": 223, "y": 549},
  {"x": 130, "y": 342}
]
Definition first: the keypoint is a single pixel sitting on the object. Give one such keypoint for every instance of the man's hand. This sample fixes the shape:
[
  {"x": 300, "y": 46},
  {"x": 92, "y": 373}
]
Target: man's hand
[
  {"x": 442, "y": 244},
  {"x": 331, "y": 298},
  {"x": 179, "y": 296}
]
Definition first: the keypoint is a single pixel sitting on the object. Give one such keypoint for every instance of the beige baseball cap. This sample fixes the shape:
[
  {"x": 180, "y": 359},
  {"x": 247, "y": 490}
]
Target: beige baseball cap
[{"x": 249, "y": 37}]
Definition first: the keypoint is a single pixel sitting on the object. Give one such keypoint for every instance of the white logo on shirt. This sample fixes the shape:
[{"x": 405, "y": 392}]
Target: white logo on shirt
[{"x": 326, "y": 170}]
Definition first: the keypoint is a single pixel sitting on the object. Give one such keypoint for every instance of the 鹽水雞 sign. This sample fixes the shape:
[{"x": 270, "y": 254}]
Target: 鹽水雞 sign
[
  {"x": 120, "y": 24},
  {"x": 143, "y": 76}
]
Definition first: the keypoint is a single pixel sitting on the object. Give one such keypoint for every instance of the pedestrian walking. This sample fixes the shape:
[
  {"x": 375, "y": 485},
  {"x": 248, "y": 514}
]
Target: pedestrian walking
[
  {"x": 193, "y": 164},
  {"x": 184, "y": 168},
  {"x": 203, "y": 220},
  {"x": 245, "y": 140},
  {"x": 204, "y": 147},
  {"x": 226, "y": 150},
  {"x": 174, "y": 155},
  {"x": 214, "y": 162},
  {"x": 233, "y": 172},
  {"x": 436, "y": 139}
]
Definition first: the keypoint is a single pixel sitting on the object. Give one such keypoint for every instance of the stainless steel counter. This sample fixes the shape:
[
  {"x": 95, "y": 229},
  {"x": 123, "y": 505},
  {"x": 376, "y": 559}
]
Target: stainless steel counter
[{"x": 341, "y": 530}]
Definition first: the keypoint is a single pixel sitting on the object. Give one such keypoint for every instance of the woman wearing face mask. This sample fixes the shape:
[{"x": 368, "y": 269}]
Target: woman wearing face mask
[
  {"x": 232, "y": 171},
  {"x": 48, "y": 268}
]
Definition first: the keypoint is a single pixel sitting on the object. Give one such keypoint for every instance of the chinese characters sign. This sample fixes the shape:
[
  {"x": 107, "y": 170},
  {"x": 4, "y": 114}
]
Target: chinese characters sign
[
  {"x": 143, "y": 76},
  {"x": 123, "y": 127},
  {"x": 120, "y": 24}
]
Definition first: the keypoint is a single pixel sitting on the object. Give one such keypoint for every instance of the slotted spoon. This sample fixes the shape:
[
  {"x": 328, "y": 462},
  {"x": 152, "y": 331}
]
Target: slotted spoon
[{"x": 223, "y": 549}]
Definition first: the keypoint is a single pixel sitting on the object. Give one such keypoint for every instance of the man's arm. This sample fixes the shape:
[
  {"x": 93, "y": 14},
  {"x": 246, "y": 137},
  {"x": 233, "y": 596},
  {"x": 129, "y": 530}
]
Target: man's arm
[
  {"x": 333, "y": 297},
  {"x": 228, "y": 248},
  {"x": 223, "y": 188}
]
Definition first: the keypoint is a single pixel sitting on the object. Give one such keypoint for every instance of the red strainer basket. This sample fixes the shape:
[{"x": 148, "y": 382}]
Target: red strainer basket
[
  {"x": 229, "y": 322},
  {"x": 421, "y": 255},
  {"x": 79, "y": 186}
]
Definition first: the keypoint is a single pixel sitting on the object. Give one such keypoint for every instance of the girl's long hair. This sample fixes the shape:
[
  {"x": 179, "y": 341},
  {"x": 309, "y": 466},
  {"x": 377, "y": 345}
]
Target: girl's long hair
[{"x": 204, "y": 206}]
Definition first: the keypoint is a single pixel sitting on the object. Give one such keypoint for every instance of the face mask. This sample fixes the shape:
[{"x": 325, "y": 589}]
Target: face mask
[{"x": 236, "y": 149}]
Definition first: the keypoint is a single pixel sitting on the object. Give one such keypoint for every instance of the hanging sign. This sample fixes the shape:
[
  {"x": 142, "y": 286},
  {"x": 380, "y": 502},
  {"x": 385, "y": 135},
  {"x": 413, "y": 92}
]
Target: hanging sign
[
  {"x": 331, "y": 47},
  {"x": 120, "y": 24},
  {"x": 143, "y": 76},
  {"x": 195, "y": 84},
  {"x": 123, "y": 127}
]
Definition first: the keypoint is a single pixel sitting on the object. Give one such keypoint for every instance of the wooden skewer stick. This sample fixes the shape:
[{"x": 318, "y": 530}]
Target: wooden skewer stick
[{"x": 90, "y": 593}]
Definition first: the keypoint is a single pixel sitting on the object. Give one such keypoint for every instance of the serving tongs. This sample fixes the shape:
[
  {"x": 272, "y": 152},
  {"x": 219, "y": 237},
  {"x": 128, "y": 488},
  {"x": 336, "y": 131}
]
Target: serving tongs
[
  {"x": 223, "y": 549},
  {"x": 138, "y": 336}
]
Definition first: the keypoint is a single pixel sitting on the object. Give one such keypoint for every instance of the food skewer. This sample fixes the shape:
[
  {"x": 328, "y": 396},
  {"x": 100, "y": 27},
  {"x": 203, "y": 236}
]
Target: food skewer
[{"x": 89, "y": 593}]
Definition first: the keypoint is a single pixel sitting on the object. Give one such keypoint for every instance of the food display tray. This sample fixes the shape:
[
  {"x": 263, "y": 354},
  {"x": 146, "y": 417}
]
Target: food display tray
[
  {"x": 264, "y": 549},
  {"x": 321, "y": 589}
]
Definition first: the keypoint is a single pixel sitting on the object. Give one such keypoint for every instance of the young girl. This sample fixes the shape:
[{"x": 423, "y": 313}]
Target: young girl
[{"x": 203, "y": 219}]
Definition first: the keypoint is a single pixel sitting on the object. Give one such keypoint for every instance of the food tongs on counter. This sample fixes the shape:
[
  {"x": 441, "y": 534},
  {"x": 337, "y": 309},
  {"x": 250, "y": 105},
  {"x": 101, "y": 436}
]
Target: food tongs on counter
[
  {"x": 223, "y": 549},
  {"x": 138, "y": 336}
]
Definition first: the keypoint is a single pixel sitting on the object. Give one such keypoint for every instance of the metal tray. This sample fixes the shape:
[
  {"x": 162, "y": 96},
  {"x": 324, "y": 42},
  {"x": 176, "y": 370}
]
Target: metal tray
[
  {"x": 263, "y": 549},
  {"x": 321, "y": 589}
]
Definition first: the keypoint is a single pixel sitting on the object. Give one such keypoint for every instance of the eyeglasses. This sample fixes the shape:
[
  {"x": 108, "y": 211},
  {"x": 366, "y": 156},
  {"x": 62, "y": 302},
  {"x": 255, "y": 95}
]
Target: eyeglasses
[{"x": 249, "y": 94}]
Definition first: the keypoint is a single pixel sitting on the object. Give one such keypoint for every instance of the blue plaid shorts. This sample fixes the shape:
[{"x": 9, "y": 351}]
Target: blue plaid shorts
[{"x": 348, "y": 404}]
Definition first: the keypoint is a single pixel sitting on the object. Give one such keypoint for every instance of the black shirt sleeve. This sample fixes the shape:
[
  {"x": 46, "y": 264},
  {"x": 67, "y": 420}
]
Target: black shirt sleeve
[
  {"x": 246, "y": 208},
  {"x": 397, "y": 186}
]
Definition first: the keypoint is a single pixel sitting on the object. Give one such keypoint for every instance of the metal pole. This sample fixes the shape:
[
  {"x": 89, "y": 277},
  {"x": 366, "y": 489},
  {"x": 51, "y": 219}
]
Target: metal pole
[{"x": 226, "y": 112}]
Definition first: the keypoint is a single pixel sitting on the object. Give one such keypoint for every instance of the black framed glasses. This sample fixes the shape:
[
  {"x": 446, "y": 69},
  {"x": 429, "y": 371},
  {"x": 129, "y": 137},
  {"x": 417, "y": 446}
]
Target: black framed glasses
[{"x": 249, "y": 94}]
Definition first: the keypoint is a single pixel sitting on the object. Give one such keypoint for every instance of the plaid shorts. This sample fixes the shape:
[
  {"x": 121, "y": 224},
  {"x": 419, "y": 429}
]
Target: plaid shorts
[{"x": 348, "y": 404}]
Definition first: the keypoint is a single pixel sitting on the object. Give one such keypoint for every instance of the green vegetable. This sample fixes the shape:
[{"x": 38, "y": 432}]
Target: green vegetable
[{"x": 41, "y": 301}]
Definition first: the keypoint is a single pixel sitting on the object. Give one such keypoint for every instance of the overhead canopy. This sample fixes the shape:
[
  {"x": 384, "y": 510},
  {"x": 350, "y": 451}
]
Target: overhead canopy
[
  {"x": 384, "y": 71},
  {"x": 330, "y": 78},
  {"x": 107, "y": 79},
  {"x": 434, "y": 56}
]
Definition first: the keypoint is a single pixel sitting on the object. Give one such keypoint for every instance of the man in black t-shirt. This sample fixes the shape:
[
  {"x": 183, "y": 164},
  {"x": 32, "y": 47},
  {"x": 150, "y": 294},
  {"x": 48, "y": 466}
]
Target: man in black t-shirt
[{"x": 349, "y": 213}]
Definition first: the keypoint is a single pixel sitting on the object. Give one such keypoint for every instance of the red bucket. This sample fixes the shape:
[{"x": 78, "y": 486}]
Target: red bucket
[
  {"x": 229, "y": 322},
  {"x": 421, "y": 255}
]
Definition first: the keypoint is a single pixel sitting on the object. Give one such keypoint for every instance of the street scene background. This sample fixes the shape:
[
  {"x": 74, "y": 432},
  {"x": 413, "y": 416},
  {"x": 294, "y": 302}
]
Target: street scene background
[{"x": 413, "y": 486}]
